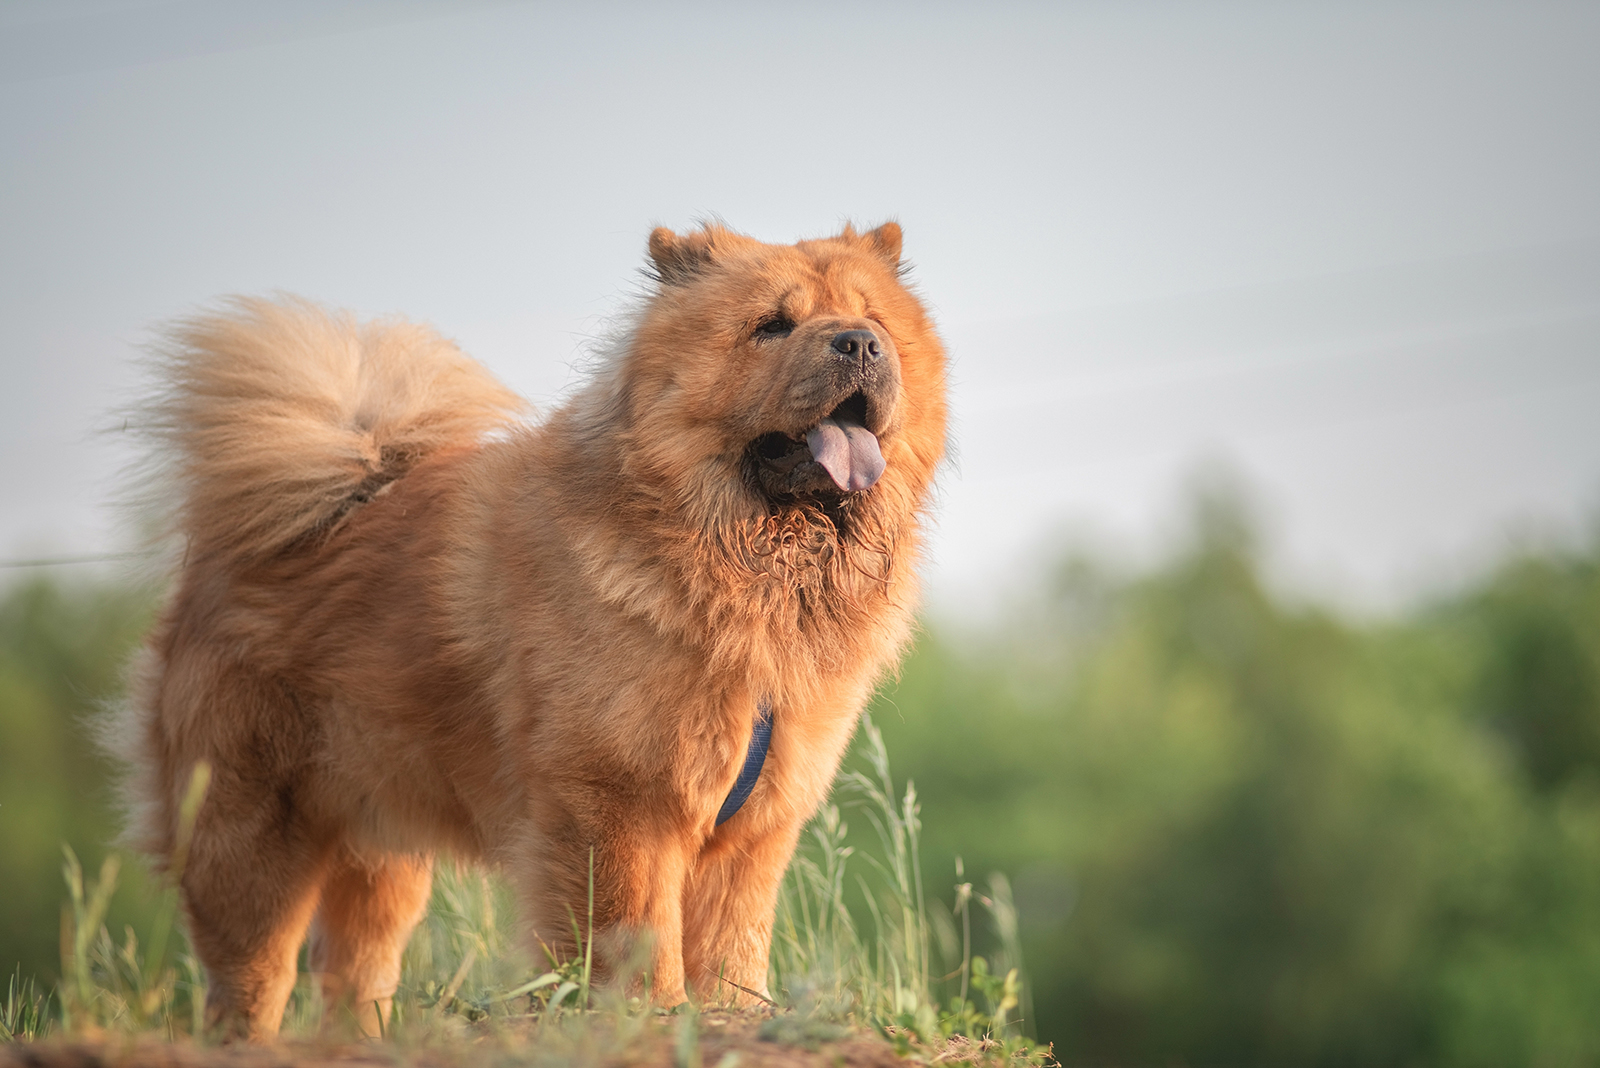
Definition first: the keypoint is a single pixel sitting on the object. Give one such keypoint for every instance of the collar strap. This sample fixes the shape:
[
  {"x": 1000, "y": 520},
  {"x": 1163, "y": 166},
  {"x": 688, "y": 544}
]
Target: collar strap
[{"x": 760, "y": 738}]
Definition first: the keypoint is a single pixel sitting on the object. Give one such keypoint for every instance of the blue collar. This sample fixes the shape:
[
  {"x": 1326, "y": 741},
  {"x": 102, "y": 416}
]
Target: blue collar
[{"x": 760, "y": 738}]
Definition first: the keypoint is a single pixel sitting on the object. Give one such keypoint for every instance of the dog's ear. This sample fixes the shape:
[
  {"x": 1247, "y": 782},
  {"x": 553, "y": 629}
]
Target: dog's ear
[
  {"x": 678, "y": 259},
  {"x": 885, "y": 240}
]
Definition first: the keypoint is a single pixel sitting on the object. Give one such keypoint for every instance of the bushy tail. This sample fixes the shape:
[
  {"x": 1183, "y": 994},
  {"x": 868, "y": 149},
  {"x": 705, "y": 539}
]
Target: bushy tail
[{"x": 275, "y": 419}]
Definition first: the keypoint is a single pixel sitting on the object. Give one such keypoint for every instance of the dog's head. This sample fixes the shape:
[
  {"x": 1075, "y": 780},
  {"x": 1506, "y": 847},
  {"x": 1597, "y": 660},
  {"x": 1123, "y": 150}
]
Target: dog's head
[{"x": 767, "y": 377}]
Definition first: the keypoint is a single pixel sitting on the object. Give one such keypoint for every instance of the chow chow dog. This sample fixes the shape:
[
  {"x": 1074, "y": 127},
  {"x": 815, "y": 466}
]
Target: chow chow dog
[{"x": 623, "y": 646}]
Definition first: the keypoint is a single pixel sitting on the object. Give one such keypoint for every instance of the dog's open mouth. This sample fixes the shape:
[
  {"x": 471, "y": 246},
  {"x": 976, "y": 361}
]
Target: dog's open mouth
[{"x": 838, "y": 455}]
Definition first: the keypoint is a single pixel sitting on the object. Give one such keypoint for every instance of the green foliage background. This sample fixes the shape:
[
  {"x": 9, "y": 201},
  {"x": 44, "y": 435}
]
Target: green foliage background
[
  {"x": 1241, "y": 830},
  {"x": 63, "y": 650}
]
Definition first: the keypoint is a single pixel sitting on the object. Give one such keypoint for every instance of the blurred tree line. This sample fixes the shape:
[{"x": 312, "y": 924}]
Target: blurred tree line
[
  {"x": 1241, "y": 831},
  {"x": 1245, "y": 832}
]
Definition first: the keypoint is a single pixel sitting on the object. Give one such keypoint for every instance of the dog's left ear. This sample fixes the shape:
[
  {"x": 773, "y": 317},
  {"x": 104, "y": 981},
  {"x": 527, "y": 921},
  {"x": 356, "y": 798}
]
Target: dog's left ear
[
  {"x": 885, "y": 240},
  {"x": 678, "y": 259}
]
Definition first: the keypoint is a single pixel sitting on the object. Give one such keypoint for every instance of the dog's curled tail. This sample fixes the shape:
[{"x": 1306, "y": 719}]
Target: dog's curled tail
[{"x": 274, "y": 419}]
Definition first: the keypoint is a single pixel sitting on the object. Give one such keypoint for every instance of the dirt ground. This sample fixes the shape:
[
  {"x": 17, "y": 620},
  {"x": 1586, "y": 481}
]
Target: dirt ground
[{"x": 725, "y": 1040}]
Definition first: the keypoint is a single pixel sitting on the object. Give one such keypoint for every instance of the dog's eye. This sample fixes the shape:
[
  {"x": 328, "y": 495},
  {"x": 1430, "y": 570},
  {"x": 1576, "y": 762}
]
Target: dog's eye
[{"x": 777, "y": 326}]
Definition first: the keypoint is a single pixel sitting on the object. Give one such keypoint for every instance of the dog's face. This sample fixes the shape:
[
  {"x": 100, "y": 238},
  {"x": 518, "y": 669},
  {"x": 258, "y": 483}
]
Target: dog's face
[{"x": 786, "y": 374}]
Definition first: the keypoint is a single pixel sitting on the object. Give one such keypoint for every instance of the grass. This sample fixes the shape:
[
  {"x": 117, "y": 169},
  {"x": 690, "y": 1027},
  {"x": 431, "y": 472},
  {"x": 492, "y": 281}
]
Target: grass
[
  {"x": 857, "y": 946},
  {"x": 26, "y": 1012},
  {"x": 889, "y": 973}
]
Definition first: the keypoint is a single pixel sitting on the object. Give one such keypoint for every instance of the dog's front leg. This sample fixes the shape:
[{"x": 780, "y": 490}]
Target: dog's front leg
[
  {"x": 636, "y": 877},
  {"x": 729, "y": 901},
  {"x": 640, "y": 876}
]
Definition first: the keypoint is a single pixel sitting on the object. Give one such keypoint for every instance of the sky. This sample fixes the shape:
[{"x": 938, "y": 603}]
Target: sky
[{"x": 1348, "y": 252}]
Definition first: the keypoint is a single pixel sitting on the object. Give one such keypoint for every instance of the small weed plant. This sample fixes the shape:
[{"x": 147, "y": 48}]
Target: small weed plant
[
  {"x": 26, "y": 1012},
  {"x": 856, "y": 945}
]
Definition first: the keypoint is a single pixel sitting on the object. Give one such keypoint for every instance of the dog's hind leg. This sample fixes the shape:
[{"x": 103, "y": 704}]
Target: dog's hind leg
[
  {"x": 370, "y": 904},
  {"x": 254, "y": 865},
  {"x": 250, "y": 886}
]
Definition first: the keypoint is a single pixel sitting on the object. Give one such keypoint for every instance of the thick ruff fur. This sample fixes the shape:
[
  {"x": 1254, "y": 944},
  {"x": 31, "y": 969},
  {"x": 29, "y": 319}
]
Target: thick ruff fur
[{"x": 406, "y": 621}]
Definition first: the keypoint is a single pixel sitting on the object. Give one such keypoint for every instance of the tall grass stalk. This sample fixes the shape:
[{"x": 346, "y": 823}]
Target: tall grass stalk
[
  {"x": 886, "y": 974},
  {"x": 112, "y": 985}
]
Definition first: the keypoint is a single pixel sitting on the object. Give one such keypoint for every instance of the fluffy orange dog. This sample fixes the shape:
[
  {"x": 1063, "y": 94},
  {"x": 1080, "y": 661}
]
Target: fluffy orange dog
[{"x": 408, "y": 621}]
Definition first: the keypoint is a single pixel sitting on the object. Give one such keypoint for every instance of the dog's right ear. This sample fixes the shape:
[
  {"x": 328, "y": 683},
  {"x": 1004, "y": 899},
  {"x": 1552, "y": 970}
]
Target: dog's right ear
[{"x": 678, "y": 259}]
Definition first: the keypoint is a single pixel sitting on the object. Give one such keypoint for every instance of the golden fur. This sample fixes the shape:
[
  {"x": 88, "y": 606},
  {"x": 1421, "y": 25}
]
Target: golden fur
[{"x": 407, "y": 621}]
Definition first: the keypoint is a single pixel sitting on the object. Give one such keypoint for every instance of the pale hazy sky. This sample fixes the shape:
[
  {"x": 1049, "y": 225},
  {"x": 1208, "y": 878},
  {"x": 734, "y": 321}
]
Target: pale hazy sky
[{"x": 1352, "y": 249}]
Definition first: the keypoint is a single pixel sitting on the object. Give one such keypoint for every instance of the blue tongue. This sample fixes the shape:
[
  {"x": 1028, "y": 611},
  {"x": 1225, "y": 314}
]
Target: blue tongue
[
  {"x": 756, "y": 756},
  {"x": 848, "y": 451}
]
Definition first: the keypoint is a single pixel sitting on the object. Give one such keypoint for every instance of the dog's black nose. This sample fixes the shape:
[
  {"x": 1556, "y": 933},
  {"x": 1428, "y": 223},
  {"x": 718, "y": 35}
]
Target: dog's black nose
[{"x": 860, "y": 345}]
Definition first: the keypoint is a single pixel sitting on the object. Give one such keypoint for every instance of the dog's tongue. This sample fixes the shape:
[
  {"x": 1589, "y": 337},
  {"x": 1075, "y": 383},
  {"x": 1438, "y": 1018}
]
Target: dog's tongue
[{"x": 848, "y": 451}]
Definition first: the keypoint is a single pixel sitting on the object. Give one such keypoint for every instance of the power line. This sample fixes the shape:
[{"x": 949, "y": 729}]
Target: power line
[{"x": 63, "y": 561}]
